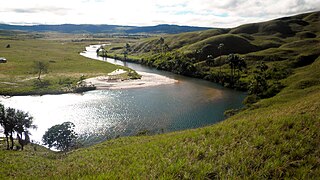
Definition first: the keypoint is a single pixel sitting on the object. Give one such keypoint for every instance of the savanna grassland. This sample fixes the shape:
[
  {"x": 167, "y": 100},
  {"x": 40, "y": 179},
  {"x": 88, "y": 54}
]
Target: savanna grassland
[
  {"x": 275, "y": 137},
  {"x": 61, "y": 54}
]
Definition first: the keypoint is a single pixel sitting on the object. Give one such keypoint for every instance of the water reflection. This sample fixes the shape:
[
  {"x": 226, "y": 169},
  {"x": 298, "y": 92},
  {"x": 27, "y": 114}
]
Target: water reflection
[{"x": 100, "y": 115}]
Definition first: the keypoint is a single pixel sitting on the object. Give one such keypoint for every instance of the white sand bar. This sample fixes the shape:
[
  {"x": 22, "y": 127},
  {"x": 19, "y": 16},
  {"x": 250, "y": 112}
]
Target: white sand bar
[
  {"x": 117, "y": 72},
  {"x": 147, "y": 80}
]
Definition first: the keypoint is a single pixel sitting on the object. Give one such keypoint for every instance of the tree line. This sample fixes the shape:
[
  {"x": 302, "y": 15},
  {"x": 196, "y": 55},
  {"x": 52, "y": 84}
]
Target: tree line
[{"x": 17, "y": 122}]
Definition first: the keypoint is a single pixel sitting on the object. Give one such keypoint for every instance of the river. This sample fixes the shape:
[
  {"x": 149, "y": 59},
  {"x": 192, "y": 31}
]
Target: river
[{"x": 103, "y": 114}]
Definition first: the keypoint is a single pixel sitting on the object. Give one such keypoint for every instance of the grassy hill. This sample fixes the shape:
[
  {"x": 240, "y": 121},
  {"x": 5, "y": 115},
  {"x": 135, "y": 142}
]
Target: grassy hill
[
  {"x": 242, "y": 39},
  {"x": 275, "y": 138},
  {"x": 288, "y": 42},
  {"x": 277, "y": 32}
]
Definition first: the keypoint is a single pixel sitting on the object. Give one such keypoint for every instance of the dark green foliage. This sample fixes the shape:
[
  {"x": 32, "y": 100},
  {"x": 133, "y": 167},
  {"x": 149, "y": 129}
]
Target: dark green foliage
[
  {"x": 273, "y": 89},
  {"x": 251, "y": 99},
  {"x": 278, "y": 72},
  {"x": 235, "y": 63},
  {"x": 23, "y": 123},
  {"x": 15, "y": 121},
  {"x": 101, "y": 51},
  {"x": 258, "y": 85},
  {"x": 60, "y": 136},
  {"x": 172, "y": 61}
]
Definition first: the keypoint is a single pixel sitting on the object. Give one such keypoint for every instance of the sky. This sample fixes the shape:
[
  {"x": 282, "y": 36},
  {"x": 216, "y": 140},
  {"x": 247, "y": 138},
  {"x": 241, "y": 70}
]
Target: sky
[{"x": 205, "y": 13}]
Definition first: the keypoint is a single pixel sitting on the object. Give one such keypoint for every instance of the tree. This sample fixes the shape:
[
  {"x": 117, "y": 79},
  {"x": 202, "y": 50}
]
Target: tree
[
  {"x": 4, "y": 124},
  {"x": 241, "y": 65},
  {"x": 258, "y": 85},
  {"x": 127, "y": 49},
  {"x": 236, "y": 63},
  {"x": 12, "y": 121},
  {"x": 23, "y": 123},
  {"x": 232, "y": 58},
  {"x": 40, "y": 67},
  {"x": 10, "y": 124},
  {"x": 101, "y": 51},
  {"x": 262, "y": 67},
  {"x": 60, "y": 136}
]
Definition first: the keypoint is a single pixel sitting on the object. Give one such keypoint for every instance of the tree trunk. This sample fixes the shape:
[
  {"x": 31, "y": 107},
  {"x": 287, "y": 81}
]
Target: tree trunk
[
  {"x": 39, "y": 75},
  {"x": 20, "y": 140},
  {"x": 7, "y": 139},
  {"x": 12, "y": 143}
]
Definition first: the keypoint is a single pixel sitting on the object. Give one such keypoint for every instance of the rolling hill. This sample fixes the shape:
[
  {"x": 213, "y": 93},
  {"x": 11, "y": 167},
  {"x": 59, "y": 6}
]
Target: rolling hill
[
  {"x": 249, "y": 37},
  {"x": 287, "y": 42},
  {"x": 274, "y": 138}
]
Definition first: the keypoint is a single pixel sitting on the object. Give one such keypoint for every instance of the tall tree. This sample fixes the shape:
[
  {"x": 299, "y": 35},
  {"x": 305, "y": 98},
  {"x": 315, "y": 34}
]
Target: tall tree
[
  {"x": 232, "y": 63},
  {"x": 235, "y": 63},
  {"x": 12, "y": 121},
  {"x": 23, "y": 123},
  {"x": 241, "y": 64},
  {"x": 258, "y": 85},
  {"x": 10, "y": 124}
]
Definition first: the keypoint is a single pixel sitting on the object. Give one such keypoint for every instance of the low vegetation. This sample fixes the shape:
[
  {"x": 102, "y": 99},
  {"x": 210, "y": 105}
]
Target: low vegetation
[
  {"x": 275, "y": 137},
  {"x": 282, "y": 45},
  {"x": 39, "y": 66}
]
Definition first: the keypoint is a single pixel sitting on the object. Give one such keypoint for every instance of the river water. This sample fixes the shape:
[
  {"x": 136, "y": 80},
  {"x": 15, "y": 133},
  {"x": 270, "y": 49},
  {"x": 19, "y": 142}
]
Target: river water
[{"x": 103, "y": 114}]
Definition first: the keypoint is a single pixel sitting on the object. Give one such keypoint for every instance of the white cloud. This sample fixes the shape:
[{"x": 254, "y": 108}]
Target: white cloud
[{"x": 213, "y": 13}]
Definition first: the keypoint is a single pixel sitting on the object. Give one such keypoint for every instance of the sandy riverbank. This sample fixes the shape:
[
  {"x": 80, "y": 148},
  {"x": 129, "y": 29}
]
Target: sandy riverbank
[{"x": 147, "y": 80}]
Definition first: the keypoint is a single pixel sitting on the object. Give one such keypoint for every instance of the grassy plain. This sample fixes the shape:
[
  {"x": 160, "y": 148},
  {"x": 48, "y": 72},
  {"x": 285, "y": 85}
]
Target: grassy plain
[{"x": 65, "y": 66}]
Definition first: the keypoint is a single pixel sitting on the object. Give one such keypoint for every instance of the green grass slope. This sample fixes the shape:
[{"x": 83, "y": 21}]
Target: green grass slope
[
  {"x": 260, "y": 36},
  {"x": 275, "y": 138}
]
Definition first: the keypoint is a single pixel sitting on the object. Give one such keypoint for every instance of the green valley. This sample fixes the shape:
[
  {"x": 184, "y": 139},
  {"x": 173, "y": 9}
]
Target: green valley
[{"x": 275, "y": 136}]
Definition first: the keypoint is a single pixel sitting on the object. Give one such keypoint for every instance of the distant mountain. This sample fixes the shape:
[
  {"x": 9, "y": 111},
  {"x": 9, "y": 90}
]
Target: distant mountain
[{"x": 88, "y": 28}]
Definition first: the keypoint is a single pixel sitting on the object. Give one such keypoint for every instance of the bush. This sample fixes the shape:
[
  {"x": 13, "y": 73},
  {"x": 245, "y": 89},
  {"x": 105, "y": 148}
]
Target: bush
[
  {"x": 41, "y": 84},
  {"x": 251, "y": 99},
  {"x": 273, "y": 89},
  {"x": 61, "y": 136}
]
